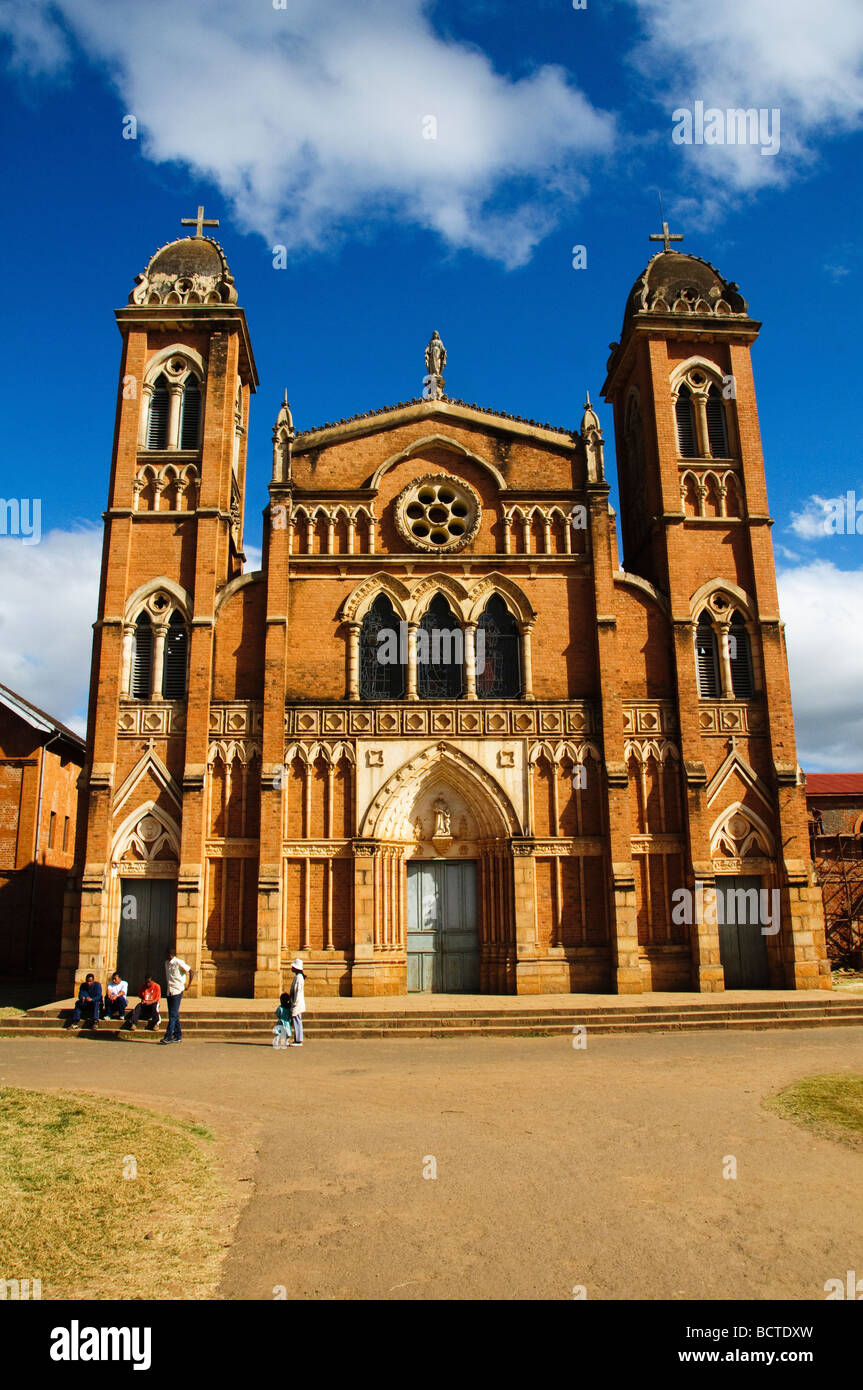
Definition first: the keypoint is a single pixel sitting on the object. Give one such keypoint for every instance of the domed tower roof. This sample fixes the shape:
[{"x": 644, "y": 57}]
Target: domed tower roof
[
  {"x": 674, "y": 282},
  {"x": 192, "y": 270}
]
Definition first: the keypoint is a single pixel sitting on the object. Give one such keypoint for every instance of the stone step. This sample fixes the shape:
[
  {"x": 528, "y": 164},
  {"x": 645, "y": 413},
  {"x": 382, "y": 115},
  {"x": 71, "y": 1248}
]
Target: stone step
[
  {"x": 514, "y": 1026},
  {"x": 256, "y": 1019},
  {"x": 384, "y": 1016},
  {"x": 232, "y": 1021},
  {"x": 29, "y": 1027}
]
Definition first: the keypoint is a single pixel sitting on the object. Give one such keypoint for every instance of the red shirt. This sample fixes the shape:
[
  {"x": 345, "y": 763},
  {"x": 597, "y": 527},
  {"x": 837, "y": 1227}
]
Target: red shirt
[{"x": 151, "y": 994}]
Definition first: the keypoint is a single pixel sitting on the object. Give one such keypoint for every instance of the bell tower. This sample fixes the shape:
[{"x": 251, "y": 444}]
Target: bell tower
[
  {"x": 695, "y": 525},
  {"x": 173, "y": 539}
]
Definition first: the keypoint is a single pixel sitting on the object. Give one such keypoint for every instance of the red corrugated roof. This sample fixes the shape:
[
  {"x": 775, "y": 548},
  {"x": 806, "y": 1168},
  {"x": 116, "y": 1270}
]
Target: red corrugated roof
[{"x": 834, "y": 783}]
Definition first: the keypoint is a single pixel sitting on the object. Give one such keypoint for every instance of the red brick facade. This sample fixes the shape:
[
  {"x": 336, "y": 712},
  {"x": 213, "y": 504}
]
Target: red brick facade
[
  {"x": 285, "y": 804},
  {"x": 40, "y": 763}
]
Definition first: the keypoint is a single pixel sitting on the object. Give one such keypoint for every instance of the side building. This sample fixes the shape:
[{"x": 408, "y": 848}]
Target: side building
[{"x": 40, "y": 763}]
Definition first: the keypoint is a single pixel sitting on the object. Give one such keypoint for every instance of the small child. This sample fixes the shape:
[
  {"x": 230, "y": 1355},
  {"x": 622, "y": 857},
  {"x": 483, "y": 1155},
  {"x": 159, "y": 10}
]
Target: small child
[{"x": 282, "y": 1030}]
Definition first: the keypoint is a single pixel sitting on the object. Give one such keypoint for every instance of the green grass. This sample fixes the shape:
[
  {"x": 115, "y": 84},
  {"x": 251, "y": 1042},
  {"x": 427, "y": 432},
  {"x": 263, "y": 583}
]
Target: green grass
[
  {"x": 831, "y": 1105},
  {"x": 69, "y": 1216}
]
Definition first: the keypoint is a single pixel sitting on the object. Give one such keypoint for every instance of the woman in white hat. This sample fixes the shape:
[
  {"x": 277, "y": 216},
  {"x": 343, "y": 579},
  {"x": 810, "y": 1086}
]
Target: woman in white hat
[{"x": 298, "y": 1001}]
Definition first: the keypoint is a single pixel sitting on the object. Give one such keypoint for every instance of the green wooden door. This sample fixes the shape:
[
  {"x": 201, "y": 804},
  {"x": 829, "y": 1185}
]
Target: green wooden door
[{"x": 442, "y": 935}]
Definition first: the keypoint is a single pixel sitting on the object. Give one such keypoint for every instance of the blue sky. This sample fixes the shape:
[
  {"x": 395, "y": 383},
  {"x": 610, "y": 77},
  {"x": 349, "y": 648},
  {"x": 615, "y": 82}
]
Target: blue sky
[{"x": 303, "y": 126}]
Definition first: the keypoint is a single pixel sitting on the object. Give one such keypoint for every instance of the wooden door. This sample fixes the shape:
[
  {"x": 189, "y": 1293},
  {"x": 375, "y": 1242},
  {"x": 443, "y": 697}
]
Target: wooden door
[
  {"x": 147, "y": 929},
  {"x": 442, "y": 935},
  {"x": 742, "y": 944}
]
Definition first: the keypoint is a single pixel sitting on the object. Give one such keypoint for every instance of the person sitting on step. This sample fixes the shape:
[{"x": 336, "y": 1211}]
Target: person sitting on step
[
  {"x": 148, "y": 1007},
  {"x": 89, "y": 1001},
  {"x": 115, "y": 997}
]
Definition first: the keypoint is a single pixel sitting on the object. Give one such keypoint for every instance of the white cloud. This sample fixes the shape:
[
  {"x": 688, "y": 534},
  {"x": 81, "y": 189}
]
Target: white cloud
[
  {"x": 791, "y": 54},
  {"x": 311, "y": 117},
  {"x": 811, "y": 523},
  {"x": 821, "y": 607},
  {"x": 49, "y": 596},
  {"x": 254, "y": 556},
  {"x": 841, "y": 515}
]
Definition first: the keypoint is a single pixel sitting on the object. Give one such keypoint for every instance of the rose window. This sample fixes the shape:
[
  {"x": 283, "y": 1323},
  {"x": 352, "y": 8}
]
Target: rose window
[{"x": 438, "y": 513}]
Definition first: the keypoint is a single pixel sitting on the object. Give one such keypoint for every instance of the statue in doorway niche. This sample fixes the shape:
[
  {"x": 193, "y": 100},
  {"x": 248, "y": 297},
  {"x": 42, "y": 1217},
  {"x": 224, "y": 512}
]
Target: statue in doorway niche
[
  {"x": 442, "y": 820},
  {"x": 418, "y": 829}
]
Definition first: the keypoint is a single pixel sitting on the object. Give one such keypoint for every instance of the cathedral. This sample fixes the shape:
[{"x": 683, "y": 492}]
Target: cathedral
[{"x": 445, "y": 739}]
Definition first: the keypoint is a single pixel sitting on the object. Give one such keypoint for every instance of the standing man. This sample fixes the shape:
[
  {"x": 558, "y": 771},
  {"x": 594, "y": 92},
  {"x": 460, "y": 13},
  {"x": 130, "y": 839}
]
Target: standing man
[{"x": 179, "y": 976}]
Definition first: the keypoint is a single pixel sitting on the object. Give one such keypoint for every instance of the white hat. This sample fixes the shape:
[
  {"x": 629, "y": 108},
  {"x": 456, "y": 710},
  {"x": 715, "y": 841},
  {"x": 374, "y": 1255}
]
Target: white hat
[{"x": 297, "y": 964}]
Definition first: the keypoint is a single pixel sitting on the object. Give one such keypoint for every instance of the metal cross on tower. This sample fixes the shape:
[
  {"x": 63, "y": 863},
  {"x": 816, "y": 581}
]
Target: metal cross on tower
[{"x": 200, "y": 222}]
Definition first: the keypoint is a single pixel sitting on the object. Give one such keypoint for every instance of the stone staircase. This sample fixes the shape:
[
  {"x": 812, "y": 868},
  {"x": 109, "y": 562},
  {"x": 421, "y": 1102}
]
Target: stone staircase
[{"x": 243, "y": 1024}]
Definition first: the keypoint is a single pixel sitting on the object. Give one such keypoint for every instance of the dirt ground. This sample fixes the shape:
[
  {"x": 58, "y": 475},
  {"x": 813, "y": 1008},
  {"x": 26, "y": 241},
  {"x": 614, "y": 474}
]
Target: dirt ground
[{"x": 556, "y": 1168}]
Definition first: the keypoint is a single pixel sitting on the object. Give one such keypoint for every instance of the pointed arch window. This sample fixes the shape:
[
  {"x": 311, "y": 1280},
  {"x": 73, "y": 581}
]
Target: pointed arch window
[
  {"x": 740, "y": 658},
  {"x": 382, "y": 670},
  {"x": 160, "y": 408},
  {"x": 498, "y": 652},
  {"x": 707, "y": 659},
  {"x": 190, "y": 415},
  {"x": 175, "y": 659},
  {"x": 717, "y": 424},
  {"x": 440, "y": 653},
  {"x": 141, "y": 683}
]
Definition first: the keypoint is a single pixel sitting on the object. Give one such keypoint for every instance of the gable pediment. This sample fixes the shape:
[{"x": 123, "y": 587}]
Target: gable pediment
[
  {"x": 736, "y": 765},
  {"x": 435, "y": 414}
]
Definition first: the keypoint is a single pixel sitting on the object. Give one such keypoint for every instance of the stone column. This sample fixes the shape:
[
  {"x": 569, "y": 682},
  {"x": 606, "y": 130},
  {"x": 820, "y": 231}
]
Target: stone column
[
  {"x": 160, "y": 632},
  {"x": 354, "y": 630},
  {"x": 524, "y": 909},
  {"x": 175, "y": 401},
  {"x": 363, "y": 971},
  {"x": 726, "y": 683},
  {"x": 470, "y": 660},
  {"x": 412, "y": 662},
  {"x": 699, "y": 400},
  {"x": 526, "y": 663},
  {"x": 128, "y": 637},
  {"x": 706, "y": 960}
]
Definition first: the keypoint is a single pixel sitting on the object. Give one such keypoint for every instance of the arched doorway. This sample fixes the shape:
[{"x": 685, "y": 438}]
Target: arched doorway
[
  {"x": 146, "y": 867},
  {"x": 444, "y": 825}
]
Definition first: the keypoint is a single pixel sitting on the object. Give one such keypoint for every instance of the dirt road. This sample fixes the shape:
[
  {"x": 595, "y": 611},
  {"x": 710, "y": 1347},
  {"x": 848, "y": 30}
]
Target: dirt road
[{"x": 513, "y": 1168}]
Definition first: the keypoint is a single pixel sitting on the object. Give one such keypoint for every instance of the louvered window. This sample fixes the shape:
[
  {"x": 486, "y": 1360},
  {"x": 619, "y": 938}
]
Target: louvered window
[
  {"x": 740, "y": 651},
  {"x": 157, "y": 424},
  {"x": 190, "y": 416},
  {"x": 687, "y": 439},
  {"x": 498, "y": 666},
  {"x": 717, "y": 427},
  {"x": 174, "y": 668},
  {"x": 141, "y": 686},
  {"x": 707, "y": 659}
]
